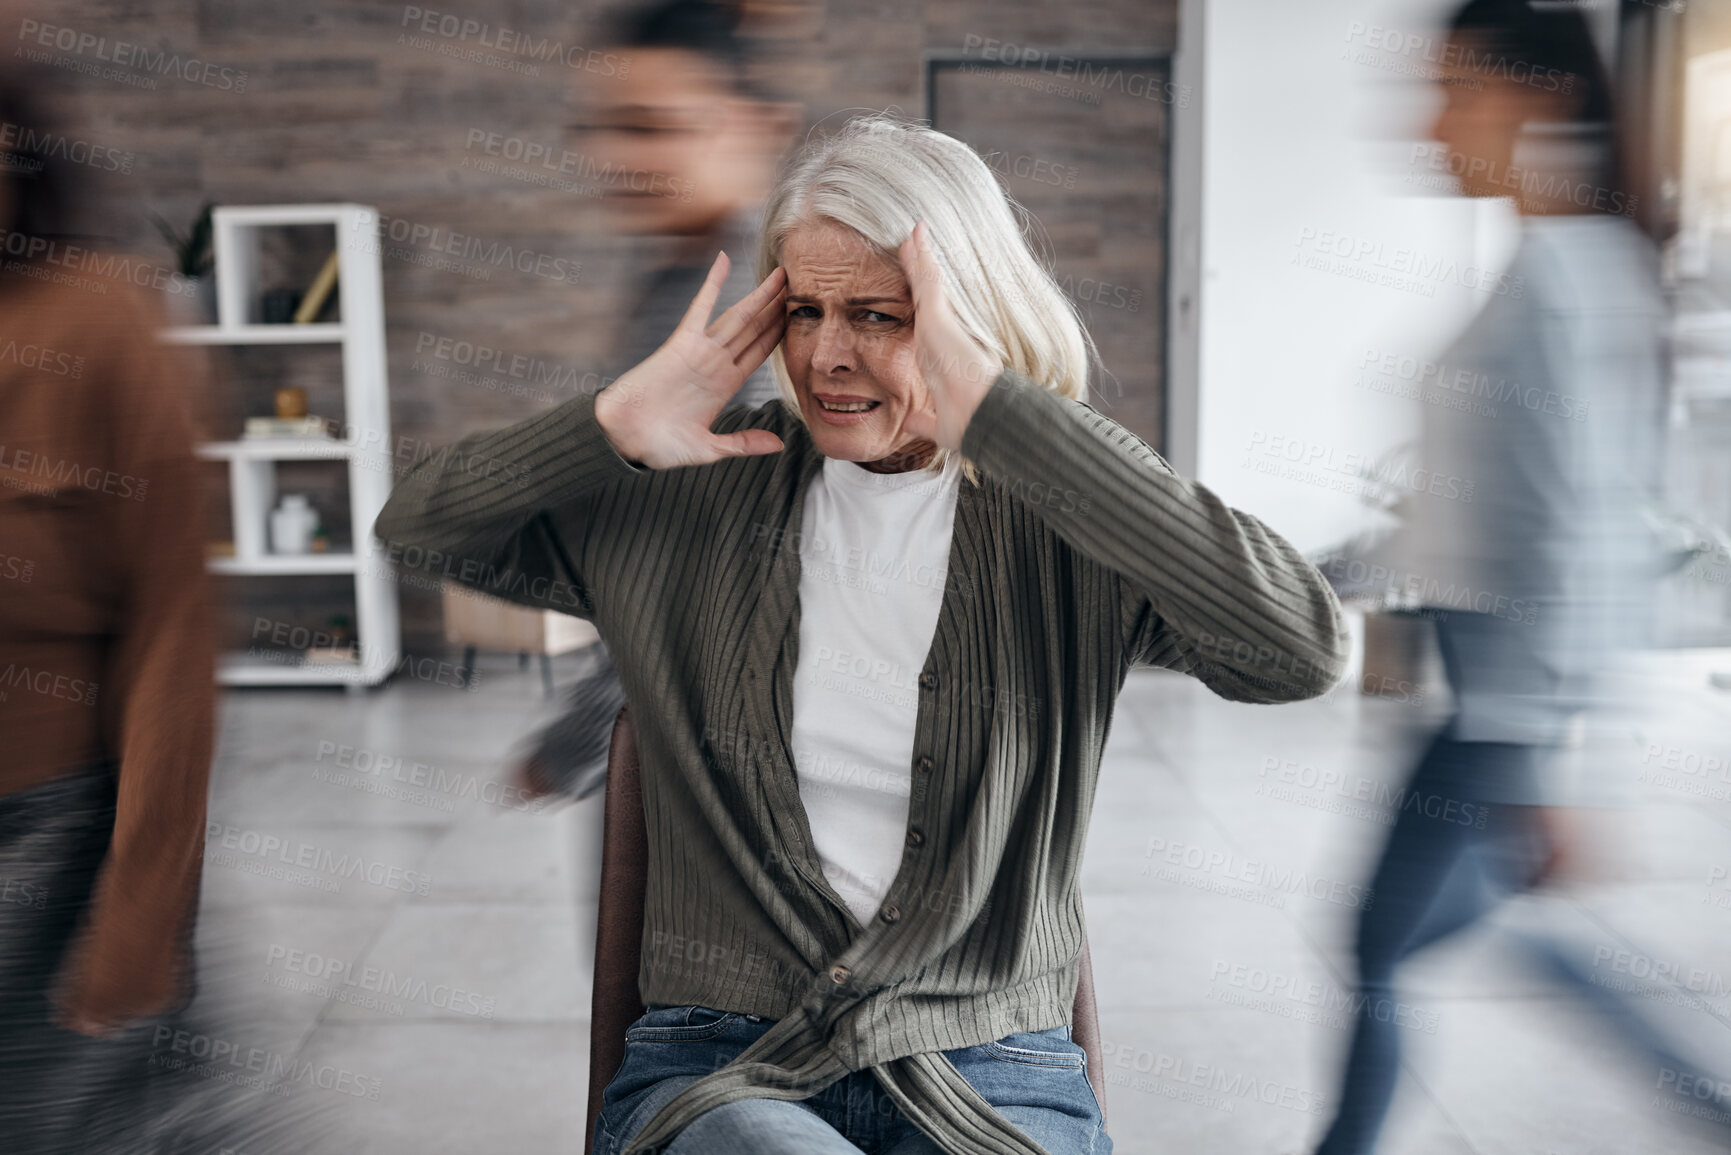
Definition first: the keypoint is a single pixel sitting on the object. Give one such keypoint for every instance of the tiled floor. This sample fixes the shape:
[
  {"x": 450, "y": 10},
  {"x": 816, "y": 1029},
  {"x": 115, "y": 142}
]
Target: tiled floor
[{"x": 464, "y": 922}]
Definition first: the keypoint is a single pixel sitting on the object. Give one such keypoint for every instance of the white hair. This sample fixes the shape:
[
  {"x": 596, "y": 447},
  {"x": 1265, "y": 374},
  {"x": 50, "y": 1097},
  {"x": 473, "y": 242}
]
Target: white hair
[{"x": 879, "y": 176}]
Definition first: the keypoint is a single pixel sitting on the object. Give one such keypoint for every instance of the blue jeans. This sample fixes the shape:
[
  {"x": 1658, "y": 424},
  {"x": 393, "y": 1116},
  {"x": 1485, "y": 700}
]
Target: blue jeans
[
  {"x": 1038, "y": 1081},
  {"x": 1438, "y": 875}
]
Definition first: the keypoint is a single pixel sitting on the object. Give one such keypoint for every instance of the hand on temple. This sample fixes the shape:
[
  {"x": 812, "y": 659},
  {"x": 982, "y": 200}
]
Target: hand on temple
[
  {"x": 659, "y": 413},
  {"x": 958, "y": 373}
]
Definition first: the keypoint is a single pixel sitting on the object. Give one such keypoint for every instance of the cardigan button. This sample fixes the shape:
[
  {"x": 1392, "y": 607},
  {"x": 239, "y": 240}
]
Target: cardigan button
[
  {"x": 928, "y": 681},
  {"x": 838, "y": 974},
  {"x": 916, "y": 837},
  {"x": 924, "y": 765},
  {"x": 890, "y": 913}
]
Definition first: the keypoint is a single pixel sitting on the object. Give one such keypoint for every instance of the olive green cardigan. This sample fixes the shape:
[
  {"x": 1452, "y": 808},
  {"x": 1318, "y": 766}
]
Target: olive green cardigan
[{"x": 1077, "y": 555}]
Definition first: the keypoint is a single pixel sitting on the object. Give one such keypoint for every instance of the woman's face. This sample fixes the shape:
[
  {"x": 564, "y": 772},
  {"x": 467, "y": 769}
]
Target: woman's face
[
  {"x": 1482, "y": 115},
  {"x": 849, "y": 345},
  {"x": 1478, "y": 124},
  {"x": 678, "y": 149}
]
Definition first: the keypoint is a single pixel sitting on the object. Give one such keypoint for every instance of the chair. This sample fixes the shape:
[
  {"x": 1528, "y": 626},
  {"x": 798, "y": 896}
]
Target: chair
[
  {"x": 616, "y": 1002},
  {"x": 476, "y": 621}
]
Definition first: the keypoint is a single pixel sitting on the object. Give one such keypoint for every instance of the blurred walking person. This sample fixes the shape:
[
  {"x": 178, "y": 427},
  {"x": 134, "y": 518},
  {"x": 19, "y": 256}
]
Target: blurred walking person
[
  {"x": 688, "y": 145},
  {"x": 1539, "y": 581},
  {"x": 106, "y": 664}
]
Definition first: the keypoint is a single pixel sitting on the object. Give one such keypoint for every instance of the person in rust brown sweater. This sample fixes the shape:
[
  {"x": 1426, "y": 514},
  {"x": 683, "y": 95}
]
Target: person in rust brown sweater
[{"x": 106, "y": 653}]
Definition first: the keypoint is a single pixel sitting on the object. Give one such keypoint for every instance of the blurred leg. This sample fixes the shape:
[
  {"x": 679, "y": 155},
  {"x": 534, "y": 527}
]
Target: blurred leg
[
  {"x": 570, "y": 753},
  {"x": 1698, "y": 1091},
  {"x": 52, "y": 842},
  {"x": 1435, "y": 877}
]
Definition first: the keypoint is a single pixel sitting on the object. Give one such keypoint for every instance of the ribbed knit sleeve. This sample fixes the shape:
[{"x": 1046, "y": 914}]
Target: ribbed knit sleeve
[
  {"x": 476, "y": 512},
  {"x": 1208, "y": 590}
]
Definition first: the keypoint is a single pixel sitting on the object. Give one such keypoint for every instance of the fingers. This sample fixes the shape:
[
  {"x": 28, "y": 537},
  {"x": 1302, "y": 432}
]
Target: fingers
[
  {"x": 697, "y": 316},
  {"x": 84, "y": 1024},
  {"x": 530, "y": 777},
  {"x": 909, "y": 253},
  {"x": 768, "y": 325},
  {"x": 755, "y": 353},
  {"x": 927, "y": 286},
  {"x": 729, "y": 327},
  {"x": 921, "y": 266}
]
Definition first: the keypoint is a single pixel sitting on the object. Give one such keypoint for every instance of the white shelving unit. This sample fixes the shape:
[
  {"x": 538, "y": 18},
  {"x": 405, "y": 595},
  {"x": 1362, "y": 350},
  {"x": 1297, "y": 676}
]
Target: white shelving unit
[{"x": 365, "y": 420}]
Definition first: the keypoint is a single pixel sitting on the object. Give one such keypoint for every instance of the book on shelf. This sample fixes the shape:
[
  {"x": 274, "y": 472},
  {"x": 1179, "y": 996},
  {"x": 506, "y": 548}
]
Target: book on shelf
[
  {"x": 319, "y": 293},
  {"x": 267, "y": 427}
]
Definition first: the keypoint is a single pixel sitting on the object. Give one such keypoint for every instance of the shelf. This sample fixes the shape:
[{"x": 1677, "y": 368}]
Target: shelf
[
  {"x": 252, "y": 464},
  {"x": 253, "y": 216},
  {"x": 254, "y": 670},
  {"x": 277, "y": 449},
  {"x": 284, "y": 564},
  {"x": 322, "y": 333}
]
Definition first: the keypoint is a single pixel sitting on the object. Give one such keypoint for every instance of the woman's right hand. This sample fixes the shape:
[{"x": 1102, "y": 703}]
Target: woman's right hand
[{"x": 659, "y": 413}]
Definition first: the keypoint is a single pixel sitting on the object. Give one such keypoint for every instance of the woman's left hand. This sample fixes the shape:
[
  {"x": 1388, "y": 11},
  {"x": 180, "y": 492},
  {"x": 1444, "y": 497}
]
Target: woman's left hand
[{"x": 958, "y": 373}]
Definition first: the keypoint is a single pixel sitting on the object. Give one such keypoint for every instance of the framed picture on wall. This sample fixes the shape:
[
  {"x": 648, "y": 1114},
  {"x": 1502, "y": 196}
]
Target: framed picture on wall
[{"x": 1082, "y": 142}]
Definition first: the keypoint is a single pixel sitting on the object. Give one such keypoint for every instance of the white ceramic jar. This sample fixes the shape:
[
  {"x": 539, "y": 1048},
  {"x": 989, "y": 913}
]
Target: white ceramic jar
[{"x": 292, "y": 524}]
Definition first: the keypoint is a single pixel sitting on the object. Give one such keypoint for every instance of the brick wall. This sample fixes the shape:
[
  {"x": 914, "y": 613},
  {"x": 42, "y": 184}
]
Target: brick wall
[{"x": 341, "y": 101}]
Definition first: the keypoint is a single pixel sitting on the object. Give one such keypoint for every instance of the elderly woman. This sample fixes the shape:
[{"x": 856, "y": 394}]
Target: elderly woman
[{"x": 872, "y": 634}]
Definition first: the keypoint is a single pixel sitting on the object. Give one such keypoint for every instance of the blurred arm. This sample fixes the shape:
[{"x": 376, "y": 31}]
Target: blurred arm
[{"x": 157, "y": 696}]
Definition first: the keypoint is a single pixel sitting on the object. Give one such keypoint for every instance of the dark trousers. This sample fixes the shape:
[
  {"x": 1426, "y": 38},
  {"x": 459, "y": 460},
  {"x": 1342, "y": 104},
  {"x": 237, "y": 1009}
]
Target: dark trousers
[
  {"x": 62, "y": 1092},
  {"x": 1438, "y": 874},
  {"x": 53, "y": 839}
]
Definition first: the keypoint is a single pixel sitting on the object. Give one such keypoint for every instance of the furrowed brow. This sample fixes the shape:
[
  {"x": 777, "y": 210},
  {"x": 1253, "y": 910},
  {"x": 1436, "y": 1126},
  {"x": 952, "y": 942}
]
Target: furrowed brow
[{"x": 803, "y": 299}]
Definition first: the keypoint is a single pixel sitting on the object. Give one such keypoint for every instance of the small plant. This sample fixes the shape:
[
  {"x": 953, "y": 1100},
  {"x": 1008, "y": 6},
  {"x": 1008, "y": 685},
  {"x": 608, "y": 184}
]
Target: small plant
[{"x": 191, "y": 249}]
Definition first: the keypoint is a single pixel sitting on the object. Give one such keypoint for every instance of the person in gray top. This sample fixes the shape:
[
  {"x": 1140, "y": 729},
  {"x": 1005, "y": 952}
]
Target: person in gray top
[
  {"x": 1524, "y": 543},
  {"x": 688, "y": 146}
]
